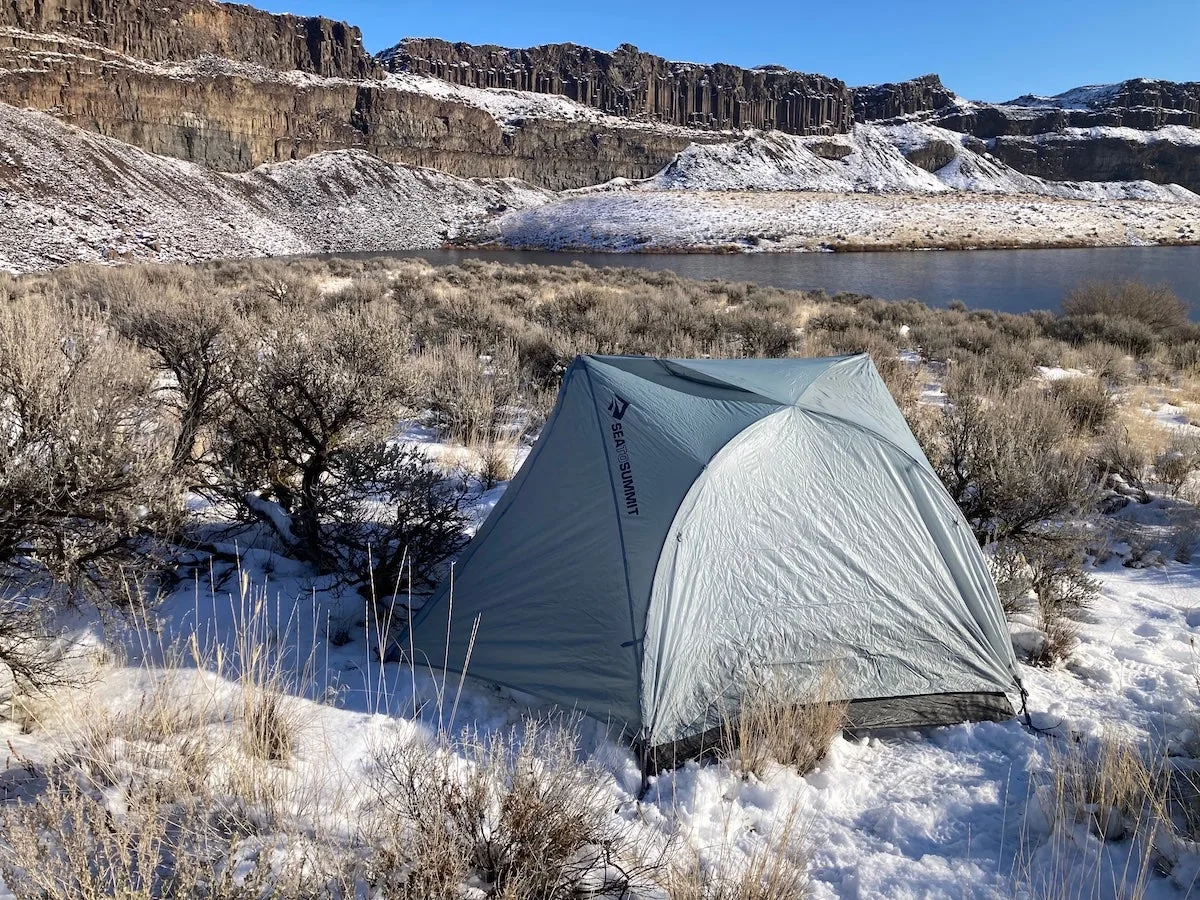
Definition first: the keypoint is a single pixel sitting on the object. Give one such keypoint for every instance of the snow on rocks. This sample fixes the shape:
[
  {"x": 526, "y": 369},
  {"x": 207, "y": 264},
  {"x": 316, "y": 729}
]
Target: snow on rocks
[
  {"x": 69, "y": 195},
  {"x": 775, "y": 161},
  {"x": 775, "y": 191}
]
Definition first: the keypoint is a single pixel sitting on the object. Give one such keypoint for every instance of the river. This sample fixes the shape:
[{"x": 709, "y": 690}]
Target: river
[{"x": 1005, "y": 280}]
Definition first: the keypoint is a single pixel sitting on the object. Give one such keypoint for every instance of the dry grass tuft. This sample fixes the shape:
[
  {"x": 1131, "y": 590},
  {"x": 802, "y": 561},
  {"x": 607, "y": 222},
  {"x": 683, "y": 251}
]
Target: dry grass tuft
[
  {"x": 784, "y": 725},
  {"x": 776, "y": 870},
  {"x": 1108, "y": 807},
  {"x": 516, "y": 810}
]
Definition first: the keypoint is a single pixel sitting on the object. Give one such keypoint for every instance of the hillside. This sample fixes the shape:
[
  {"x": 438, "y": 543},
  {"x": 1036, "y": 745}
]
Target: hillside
[
  {"x": 207, "y": 129},
  {"x": 72, "y": 196},
  {"x": 232, "y": 87}
]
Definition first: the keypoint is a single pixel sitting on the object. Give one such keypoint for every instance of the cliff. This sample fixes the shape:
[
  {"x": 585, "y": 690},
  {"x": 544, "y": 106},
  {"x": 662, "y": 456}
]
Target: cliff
[
  {"x": 233, "y": 116},
  {"x": 182, "y": 30},
  {"x": 232, "y": 87},
  {"x": 1137, "y": 129},
  {"x": 628, "y": 82},
  {"x": 875, "y": 102}
]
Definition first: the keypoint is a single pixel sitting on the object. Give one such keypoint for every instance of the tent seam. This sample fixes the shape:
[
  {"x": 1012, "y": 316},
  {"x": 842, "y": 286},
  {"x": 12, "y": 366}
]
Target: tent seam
[{"x": 638, "y": 648}]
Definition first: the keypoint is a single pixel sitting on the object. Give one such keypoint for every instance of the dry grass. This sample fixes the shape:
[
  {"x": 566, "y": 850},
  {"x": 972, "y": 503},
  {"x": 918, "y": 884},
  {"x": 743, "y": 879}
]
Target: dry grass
[
  {"x": 1110, "y": 791},
  {"x": 516, "y": 809},
  {"x": 776, "y": 870},
  {"x": 784, "y": 725}
]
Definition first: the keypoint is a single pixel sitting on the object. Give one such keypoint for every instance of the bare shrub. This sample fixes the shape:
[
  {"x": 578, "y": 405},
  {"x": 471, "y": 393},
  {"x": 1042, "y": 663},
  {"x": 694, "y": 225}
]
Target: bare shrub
[
  {"x": 517, "y": 811},
  {"x": 762, "y": 334},
  {"x": 1006, "y": 460},
  {"x": 1130, "y": 335},
  {"x": 471, "y": 394},
  {"x": 783, "y": 724},
  {"x": 1118, "y": 454},
  {"x": 391, "y": 518},
  {"x": 1013, "y": 577},
  {"x": 84, "y": 457},
  {"x": 27, "y": 656},
  {"x": 1088, "y": 402},
  {"x": 1175, "y": 466},
  {"x": 1005, "y": 366},
  {"x": 186, "y": 330},
  {"x": 1155, "y": 305},
  {"x": 304, "y": 397},
  {"x": 1063, "y": 588}
]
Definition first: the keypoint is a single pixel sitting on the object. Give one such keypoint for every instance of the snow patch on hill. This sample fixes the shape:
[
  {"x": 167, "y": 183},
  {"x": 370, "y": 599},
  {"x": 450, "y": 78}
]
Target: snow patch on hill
[
  {"x": 1088, "y": 96},
  {"x": 974, "y": 171},
  {"x": 68, "y": 195},
  {"x": 774, "y": 161},
  {"x": 874, "y": 159}
]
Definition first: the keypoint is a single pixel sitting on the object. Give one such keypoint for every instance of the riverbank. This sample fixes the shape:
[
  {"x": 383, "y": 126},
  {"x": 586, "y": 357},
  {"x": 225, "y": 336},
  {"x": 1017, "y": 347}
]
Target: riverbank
[{"x": 679, "y": 221}]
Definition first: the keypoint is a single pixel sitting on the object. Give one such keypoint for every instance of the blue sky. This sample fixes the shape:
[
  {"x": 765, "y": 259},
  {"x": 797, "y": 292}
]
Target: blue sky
[{"x": 983, "y": 50}]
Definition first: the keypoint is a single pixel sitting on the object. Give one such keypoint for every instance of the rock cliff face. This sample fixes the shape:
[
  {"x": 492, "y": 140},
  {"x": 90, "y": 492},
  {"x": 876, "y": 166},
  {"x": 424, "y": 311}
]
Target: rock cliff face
[
  {"x": 1103, "y": 157},
  {"x": 1043, "y": 136},
  {"x": 232, "y": 117},
  {"x": 628, "y": 82},
  {"x": 181, "y": 30},
  {"x": 888, "y": 101},
  {"x": 1139, "y": 103},
  {"x": 232, "y": 87}
]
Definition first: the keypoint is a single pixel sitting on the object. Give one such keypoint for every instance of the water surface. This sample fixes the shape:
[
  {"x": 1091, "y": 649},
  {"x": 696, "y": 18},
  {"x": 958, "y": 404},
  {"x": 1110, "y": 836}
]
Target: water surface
[{"x": 1006, "y": 280}]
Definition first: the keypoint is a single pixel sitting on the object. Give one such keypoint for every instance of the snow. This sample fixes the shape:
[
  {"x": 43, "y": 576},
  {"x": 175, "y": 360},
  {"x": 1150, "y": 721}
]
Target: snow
[
  {"x": 946, "y": 812},
  {"x": 936, "y": 813},
  {"x": 1087, "y": 97},
  {"x": 1180, "y": 135},
  {"x": 979, "y": 172},
  {"x": 773, "y": 191},
  {"x": 774, "y": 161},
  {"x": 70, "y": 195},
  {"x": 510, "y": 107},
  {"x": 751, "y": 221}
]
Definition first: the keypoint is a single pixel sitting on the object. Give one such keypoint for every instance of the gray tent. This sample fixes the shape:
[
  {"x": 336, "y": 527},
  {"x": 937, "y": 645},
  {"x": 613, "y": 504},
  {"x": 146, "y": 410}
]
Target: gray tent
[{"x": 685, "y": 527}]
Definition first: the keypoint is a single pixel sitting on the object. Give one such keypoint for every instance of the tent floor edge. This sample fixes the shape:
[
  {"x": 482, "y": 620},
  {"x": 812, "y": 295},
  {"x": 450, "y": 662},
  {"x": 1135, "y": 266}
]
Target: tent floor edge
[
  {"x": 923, "y": 710},
  {"x": 864, "y": 716}
]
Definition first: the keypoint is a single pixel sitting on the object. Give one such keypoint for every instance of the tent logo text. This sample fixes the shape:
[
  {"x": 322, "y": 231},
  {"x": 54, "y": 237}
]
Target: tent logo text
[{"x": 617, "y": 409}]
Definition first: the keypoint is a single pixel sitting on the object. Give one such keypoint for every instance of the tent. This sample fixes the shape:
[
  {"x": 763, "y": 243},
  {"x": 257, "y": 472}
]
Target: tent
[{"x": 683, "y": 528}]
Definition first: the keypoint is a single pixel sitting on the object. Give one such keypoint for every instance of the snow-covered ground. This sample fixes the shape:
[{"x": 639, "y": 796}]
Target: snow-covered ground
[
  {"x": 860, "y": 191},
  {"x": 948, "y": 812},
  {"x": 69, "y": 195},
  {"x": 629, "y": 220}
]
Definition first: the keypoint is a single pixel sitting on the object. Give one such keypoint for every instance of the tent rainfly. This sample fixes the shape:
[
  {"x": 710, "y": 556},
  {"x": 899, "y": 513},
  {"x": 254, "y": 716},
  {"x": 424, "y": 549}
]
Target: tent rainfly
[{"x": 684, "y": 528}]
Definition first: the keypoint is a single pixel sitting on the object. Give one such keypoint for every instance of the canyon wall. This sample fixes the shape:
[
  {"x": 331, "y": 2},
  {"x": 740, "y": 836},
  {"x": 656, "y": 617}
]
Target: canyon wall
[
  {"x": 888, "y": 101},
  {"x": 232, "y": 87},
  {"x": 628, "y": 82},
  {"x": 181, "y": 30},
  {"x": 232, "y": 117}
]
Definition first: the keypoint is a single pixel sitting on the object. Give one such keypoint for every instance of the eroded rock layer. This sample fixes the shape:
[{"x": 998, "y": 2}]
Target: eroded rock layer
[
  {"x": 894, "y": 99},
  {"x": 628, "y": 82},
  {"x": 180, "y": 30},
  {"x": 234, "y": 117}
]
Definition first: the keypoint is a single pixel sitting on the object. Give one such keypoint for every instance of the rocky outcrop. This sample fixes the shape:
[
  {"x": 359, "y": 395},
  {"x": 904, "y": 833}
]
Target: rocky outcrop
[
  {"x": 182, "y": 30},
  {"x": 628, "y": 82},
  {"x": 234, "y": 117},
  {"x": 1142, "y": 104},
  {"x": 876, "y": 102},
  {"x": 1100, "y": 157},
  {"x": 232, "y": 87}
]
